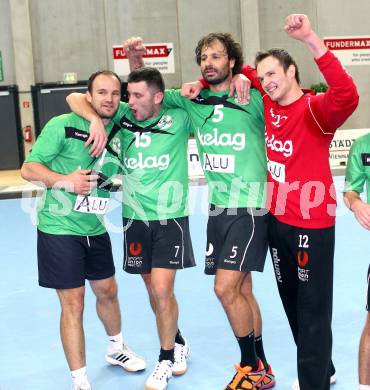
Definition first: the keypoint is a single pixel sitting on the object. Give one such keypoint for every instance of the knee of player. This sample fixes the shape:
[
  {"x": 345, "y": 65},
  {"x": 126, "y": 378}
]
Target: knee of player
[
  {"x": 108, "y": 293},
  {"x": 162, "y": 292},
  {"x": 73, "y": 307},
  {"x": 225, "y": 292}
]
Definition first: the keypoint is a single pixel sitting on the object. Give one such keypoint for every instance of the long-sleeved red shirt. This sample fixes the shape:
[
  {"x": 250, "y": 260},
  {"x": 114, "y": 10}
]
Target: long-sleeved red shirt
[{"x": 298, "y": 135}]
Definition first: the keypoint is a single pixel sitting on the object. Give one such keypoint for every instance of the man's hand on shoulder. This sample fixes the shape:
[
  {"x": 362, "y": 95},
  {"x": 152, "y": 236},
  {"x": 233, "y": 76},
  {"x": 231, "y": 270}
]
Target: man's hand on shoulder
[
  {"x": 191, "y": 90},
  {"x": 240, "y": 85},
  {"x": 97, "y": 136}
]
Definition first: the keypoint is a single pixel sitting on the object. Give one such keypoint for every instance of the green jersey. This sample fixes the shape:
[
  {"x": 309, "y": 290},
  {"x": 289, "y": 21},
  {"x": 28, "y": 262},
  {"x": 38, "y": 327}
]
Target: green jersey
[
  {"x": 155, "y": 164},
  {"x": 230, "y": 140},
  {"x": 358, "y": 166},
  {"x": 60, "y": 147}
]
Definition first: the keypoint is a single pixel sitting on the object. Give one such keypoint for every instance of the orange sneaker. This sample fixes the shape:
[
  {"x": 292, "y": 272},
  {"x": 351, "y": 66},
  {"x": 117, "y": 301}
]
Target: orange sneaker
[
  {"x": 246, "y": 379},
  {"x": 268, "y": 380}
]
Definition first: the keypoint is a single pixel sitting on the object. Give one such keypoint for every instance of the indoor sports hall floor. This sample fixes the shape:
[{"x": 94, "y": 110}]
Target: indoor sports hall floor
[{"x": 31, "y": 355}]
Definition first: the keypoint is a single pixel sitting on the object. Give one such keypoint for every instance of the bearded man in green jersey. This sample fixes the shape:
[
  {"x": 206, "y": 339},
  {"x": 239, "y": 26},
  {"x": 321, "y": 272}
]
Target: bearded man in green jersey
[
  {"x": 357, "y": 178},
  {"x": 72, "y": 242},
  {"x": 155, "y": 214},
  {"x": 230, "y": 140}
]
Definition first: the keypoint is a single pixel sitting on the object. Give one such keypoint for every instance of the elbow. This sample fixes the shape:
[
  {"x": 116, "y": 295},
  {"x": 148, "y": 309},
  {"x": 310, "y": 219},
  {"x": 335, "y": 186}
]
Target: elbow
[{"x": 24, "y": 172}]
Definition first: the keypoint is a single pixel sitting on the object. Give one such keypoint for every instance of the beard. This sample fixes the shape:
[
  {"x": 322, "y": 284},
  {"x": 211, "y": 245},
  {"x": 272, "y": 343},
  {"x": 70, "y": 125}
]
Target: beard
[{"x": 219, "y": 78}]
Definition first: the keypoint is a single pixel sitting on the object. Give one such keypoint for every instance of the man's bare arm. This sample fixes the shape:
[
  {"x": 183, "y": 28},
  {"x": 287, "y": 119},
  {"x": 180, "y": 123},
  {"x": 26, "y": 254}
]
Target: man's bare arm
[
  {"x": 361, "y": 209},
  {"x": 298, "y": 26},
  {"x": 80, "y": 181}
]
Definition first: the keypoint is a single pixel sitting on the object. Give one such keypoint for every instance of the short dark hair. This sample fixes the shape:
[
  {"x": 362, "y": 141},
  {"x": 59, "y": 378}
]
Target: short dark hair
[
  {"x": 151, "y": 76},
  {"x": 284, "y": 58},
  {"x": 98, "y": 73},
  {"x": 233, "y": 49}
]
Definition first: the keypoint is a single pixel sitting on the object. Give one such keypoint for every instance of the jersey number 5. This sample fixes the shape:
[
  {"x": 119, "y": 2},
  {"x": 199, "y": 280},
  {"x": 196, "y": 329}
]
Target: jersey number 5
[{"x": 218, "y": 114}]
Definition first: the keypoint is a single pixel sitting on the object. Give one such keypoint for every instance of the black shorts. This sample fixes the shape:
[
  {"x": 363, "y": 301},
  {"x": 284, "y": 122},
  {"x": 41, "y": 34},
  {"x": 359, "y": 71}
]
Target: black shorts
[
  {"x": 236, "y": 239},
  {"x": 65, "y": 261},
  {"x": 156, "y": 244},
  {"x": 368, "y": 290}
]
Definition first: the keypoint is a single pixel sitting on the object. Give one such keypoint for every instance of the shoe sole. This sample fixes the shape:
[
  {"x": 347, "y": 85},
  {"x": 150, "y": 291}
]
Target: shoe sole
[
  {"x": 115, "y": 363},
  {"x": 269, "y": 386},
  {"x": 153, "y": 388}
]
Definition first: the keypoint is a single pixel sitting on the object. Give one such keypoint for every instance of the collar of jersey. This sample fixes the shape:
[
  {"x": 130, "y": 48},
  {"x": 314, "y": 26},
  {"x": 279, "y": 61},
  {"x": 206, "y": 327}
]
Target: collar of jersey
[{"x": 207, "y": 92}]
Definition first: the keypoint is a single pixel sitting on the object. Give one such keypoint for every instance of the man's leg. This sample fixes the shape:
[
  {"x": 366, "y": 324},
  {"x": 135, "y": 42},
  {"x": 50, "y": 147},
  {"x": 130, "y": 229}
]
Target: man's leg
[
  {"x": 107, "y": 307},
  {"x": 166, "y": 309},
  {"x": 166, "y": 312},
  {"x": 147, "y": 278},
  {"x": 364, "y": 355},
  {"x": 247, "y": 291},
  {"x": 228, "y": 284},
  {"x": 71, "y": 326},
  {"x": 314, "y": 306}
]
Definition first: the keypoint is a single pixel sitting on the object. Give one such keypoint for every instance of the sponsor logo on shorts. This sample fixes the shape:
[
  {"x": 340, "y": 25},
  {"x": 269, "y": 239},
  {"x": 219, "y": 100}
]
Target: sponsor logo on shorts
[
  {"x": 174, "y": 262},
  {"x": 135, "y": 248},
  {"x": 209, "y": 251},
  {"x": 302, "y": 258},
  {"x": 302, "y": 261},
  {"x": 276, "y": 262},
  {"x": 210, "y": 262},
  {"x": 135, "y": 262},
  {"x": 228, "y": 261}
]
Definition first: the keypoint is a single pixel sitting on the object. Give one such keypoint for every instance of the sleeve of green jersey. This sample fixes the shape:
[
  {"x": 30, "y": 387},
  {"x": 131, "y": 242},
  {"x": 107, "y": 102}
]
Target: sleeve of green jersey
[
  {"x": 355, "y": 174},
  {"x": 173, "y": 99},
  {"x": 49, "y": 143},
  {"x": 257, "y": 101},
  {"x": 122, "y": 111}
]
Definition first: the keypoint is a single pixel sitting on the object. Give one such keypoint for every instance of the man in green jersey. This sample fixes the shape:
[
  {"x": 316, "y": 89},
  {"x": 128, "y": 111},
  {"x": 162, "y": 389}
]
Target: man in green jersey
[
  {"x": 72, "y": 242},
  {"x": 230, "y": 140},
  {"x": 357, "y": 174},
  {"x": 155, "y": 213}
]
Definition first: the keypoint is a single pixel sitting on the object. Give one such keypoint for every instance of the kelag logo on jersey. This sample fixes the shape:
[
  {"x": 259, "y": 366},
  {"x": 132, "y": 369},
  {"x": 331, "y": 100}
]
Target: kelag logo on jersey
[
  {"x": 284, "y": 147},
  {"x": 236, "y": 141},
  {"x": 150, "y": 162}
]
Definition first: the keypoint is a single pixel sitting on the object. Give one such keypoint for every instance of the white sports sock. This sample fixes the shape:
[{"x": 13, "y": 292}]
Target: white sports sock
[
  {"x": 79, "y": 376},
  {"x": 364, "y": 387},
  {"x": 115, "y": 343}
]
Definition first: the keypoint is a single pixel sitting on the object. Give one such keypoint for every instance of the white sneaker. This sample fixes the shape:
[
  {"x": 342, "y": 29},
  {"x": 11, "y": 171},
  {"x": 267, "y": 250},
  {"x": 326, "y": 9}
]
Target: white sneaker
[
  {"x": 295, "y": 385},
  {"x": 126, "y": 359},
  {"x": 85, "y": 385},
  {"x": 159, "y": 378},
  {"x": 182, "y": 352}
]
